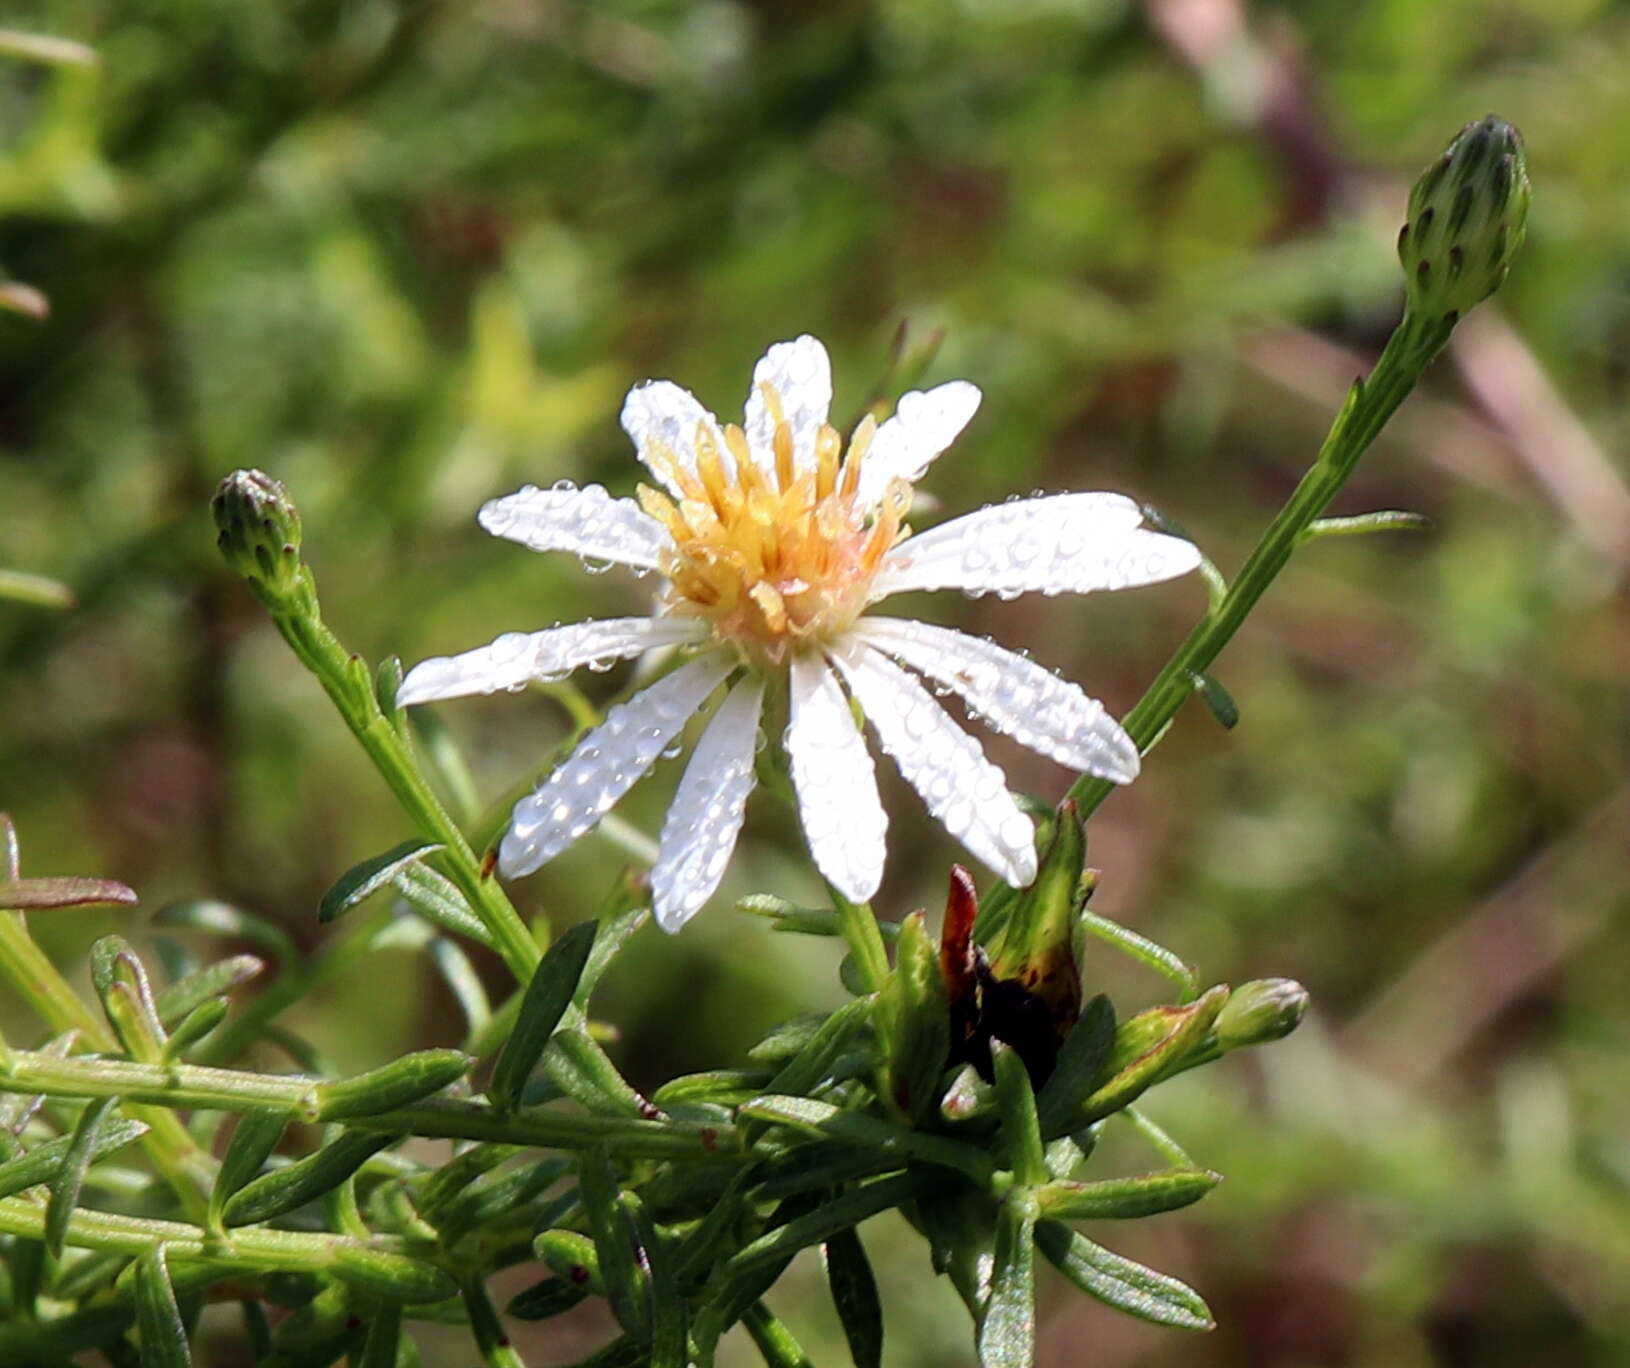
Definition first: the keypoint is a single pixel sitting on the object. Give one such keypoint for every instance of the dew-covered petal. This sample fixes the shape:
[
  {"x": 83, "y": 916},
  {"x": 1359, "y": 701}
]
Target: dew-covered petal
[
  {"x": 923, "y": 425},
  {"x": 705, "y": 818},
  {"x": 587, "y": 520},
  {"x": 661, "y": 417},
  {"x": 1063, "y": 544},
  {"x": 801, "y": 375},
  {"x": 1015, "y": 695},
  {"x": 515, "y": 659},
  {"x": 606, "y": 764},
  {"x": 943, "y": 763},
  {"x": 842, "y": 815}
]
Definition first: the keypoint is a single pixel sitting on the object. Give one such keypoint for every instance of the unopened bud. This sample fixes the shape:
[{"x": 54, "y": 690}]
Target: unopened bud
[
  {"x": 1261, "y": 1011},
  {"x": 1467, "y": 215},
  {"x": 259, "y": 531}
]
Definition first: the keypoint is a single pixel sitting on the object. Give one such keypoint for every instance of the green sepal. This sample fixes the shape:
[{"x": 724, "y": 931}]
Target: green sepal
[
  {"x": 158, "y": 1318},
  {"x": 409, "y": 1079},
  {"x": 1081, "y": 1061},
  {"x": 1021, "y": 1131},
  {"x": 1148, "y": 1047},
  {"x": 547, "y": 997},
  {"x": 1121, "y": 1283},
  {"x": 913, "y": 1017}
]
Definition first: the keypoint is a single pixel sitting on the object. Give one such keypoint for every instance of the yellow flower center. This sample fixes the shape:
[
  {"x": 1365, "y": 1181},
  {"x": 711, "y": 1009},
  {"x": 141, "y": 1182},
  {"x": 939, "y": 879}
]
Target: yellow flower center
[{"x": 773, "y": 562}]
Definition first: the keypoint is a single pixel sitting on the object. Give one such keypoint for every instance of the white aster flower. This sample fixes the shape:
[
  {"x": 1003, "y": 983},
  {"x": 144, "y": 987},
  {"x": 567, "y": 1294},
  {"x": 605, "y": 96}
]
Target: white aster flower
[{"x": 773, "y": 541}]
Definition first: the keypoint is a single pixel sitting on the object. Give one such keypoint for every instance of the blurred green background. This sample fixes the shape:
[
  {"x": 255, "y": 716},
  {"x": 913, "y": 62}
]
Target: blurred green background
[{"x": 409, "y": 256}]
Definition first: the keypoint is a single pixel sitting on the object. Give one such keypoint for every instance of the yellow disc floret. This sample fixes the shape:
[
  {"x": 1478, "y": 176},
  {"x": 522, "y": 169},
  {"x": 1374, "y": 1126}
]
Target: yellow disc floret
[{"x": 772, "y": 560}]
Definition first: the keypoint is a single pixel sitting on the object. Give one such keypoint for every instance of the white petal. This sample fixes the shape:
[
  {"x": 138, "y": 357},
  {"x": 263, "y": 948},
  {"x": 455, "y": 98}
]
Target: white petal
[
  {"x": 517, "y": 658},
  {"x": 706, "y": 815},
  {"x": 658, "y": 413},
  {"x": 943, "y": 763},
  {"x": 842, "y": 815},
  {"x": 800, "y": 372},
  {"x": 923, "y": 425},
  {"x": 605, "y": 765},
  {"x": 1015, "y": 695},
  {"x": 588, "y": 521},
  {"x": 1065, "y": 544}
]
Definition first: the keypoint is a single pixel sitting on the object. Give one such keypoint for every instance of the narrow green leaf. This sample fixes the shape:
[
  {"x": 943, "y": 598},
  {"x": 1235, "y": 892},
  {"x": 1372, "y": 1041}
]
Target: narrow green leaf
[
  {"x": 1020, "y": 1129},
  {"x": 958, "y": 1225},
  {"x": 1358, "y": 524},
  {"x": 303, "y": 1181},
  {"x": 222, "y": 919},
  {"x": 820, "y": 1225},
  {"x": 623, "y": 1262},
  {"x": 363, "y": 880},
  {"x": 504, "y": 1201},
  {"x": 547, "y": 997},
  {"x": 1123, "y": 1198},
  {"x": 409, "y": 1079},
  {"x": 253, "y": 1140},
  {"x": 725, "y": 1086},
  {"x": 384, "y": 1339},
  {"x": 1080, "y": 1062},
  {"x": 76, "y": 1159},
  {"x": 45, "y": 1162},
  {"x": 1217, "y": 699},
  {"x": 158, "y": 1319},
  {"x": 880, "y": 1138},
  {"x": 185, "y": 995},
  {"x": 668, "y": 1316},
  {"x": 774, "y": 1341},
  {"x": 120, "y": 980},
  {"x": 812, "y": 1065},
  {"x": 24, "y": 895},
  {"x": 585, "y": 1073},
  {"x": 19, "y": 586},
  {"x": 1121, "y": 1283},
  {"x": 392, "y": 1277},
  {"x": 1176, "y": 1031},
  {"x": 625, "y": 909},
  {"x": 192, "y": 1028},
  {"x": 573, "y": 1257},
  {"x": 546, "y": 1299},
  {"x": 1007, "y": 1330},
  {"x": 28, "y": 1341},
  {"x": 453, "y": 1177},
  {"x": 465, "y": 984},
  {"x": 387, "y": 681},
  {"x": 854, "y": 1295},
  {"x": 914, "y": 1020},
  {"x": 785, "y": 1039},
  {"x": 437, "y": 899},
  {"x": 1145, "y": 951},
  {"x": 490, "y": 1336}
]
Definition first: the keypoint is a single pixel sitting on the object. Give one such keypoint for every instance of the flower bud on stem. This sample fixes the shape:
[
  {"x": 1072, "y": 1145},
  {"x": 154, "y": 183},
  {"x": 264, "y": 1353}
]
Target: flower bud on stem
[
  {"x": 259, "y": 535},
  {"x": 1477, "y": 195}
]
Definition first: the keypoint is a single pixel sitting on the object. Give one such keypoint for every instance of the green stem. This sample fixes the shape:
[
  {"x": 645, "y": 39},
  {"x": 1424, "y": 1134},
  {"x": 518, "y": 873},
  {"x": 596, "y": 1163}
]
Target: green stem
[
  {"x": 347, "y": 682},
  {"x": 1411, "y": 347},
  {"x": 187, "y": 1169},
  {"x": 235, "y": 1090}
]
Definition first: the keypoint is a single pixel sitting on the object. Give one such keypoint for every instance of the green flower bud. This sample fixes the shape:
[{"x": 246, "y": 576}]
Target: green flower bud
[
  {"x": 259, "y": 531},
  {"x": 1260, "y": 1011},
  {"x": 1467, "y": 215}
]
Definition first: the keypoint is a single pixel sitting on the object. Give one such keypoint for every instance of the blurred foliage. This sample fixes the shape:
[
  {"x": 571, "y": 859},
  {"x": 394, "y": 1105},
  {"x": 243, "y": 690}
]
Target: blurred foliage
[{"x": 408, "y": 256}]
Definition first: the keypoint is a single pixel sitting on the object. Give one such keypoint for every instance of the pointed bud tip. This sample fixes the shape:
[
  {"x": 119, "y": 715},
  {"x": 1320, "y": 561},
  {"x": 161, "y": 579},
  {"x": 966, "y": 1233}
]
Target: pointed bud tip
[
  {"x": 258, "y": 529},
  {"x": 1261, "y": 1011},
  {"x": 1467, "y": 215}
]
